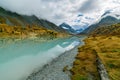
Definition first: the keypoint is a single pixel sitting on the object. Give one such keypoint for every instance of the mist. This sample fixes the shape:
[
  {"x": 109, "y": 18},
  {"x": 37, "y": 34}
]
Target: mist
[{"x": 59, "y": 11}]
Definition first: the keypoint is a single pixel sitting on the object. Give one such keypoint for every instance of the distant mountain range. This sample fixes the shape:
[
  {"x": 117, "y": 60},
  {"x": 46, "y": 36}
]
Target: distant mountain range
[
  {"x": 14, "y": 19},
  {"x": 106, "y": 21},
  {"x": 69, "y": 29}
]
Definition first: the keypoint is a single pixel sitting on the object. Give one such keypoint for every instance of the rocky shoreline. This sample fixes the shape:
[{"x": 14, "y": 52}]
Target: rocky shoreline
[{"x": 55, "y": 70}]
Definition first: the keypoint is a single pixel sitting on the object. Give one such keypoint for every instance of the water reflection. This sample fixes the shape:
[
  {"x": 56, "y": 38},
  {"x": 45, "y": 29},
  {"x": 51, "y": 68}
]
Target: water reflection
[{"x": 19, "y": 58}]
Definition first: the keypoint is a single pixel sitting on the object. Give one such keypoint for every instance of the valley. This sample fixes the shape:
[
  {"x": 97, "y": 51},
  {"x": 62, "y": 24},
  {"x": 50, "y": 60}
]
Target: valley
[{"x": 60, "y": 40}]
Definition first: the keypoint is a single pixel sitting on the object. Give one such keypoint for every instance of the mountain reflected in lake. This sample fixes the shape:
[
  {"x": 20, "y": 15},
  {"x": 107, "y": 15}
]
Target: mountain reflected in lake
[{"x": 19, "y": 58}]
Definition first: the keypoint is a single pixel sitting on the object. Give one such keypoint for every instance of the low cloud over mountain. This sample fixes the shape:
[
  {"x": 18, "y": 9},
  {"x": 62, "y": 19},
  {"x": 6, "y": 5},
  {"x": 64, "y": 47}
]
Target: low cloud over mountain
[{"x": 59, "y": 11}]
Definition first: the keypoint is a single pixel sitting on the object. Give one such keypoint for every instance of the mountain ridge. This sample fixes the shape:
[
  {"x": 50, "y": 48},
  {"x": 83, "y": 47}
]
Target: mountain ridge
[
  {"x": 105, "y": 21},
  {"x": 14, "y": 19},
  {"x": 69, "y": 28}
]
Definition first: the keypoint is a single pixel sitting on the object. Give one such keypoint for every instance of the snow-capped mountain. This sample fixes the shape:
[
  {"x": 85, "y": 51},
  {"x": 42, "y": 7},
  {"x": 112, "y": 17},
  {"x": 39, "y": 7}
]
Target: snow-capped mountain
[{"x": 69, "y": 28}]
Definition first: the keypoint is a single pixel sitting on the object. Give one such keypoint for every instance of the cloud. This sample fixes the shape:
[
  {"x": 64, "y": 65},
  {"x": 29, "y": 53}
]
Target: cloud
[
  {"x": 89, "y": 5},
  {"x": 58, "y": 11},
  {"x": 59, "y": 16}
]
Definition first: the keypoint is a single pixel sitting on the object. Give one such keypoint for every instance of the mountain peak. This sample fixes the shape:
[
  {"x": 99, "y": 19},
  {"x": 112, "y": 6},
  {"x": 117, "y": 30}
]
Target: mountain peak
[
  {"x": 106, "y": 13},
  {"x": 15, "y": 19},
  {"x": 65, "y": 26},
  {"x": 69, "y": 28},
  {"x": 105, "y": 21}
]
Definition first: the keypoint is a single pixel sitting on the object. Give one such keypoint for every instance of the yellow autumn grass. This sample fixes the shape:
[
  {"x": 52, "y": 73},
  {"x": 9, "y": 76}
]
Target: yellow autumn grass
[
  {"x": 108, "y": 50},
  {"x": 28, "y": 31}
]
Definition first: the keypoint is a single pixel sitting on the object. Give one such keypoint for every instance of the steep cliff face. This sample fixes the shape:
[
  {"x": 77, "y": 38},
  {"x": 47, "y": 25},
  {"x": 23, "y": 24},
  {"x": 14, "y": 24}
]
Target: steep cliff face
[{"x": 14, "y": 19}]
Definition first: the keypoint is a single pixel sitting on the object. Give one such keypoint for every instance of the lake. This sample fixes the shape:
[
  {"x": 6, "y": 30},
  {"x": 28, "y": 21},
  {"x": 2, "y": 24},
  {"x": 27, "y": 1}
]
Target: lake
[{"x": 19, "y": 58}]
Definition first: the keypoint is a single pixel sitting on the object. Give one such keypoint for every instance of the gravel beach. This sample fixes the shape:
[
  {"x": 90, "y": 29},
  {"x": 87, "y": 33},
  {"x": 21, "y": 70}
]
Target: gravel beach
[{"x": 54, "y": 70}]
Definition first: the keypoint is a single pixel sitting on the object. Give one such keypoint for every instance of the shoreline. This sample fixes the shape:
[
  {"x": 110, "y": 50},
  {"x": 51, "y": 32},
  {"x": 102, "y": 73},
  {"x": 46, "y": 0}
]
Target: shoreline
[
  {"x": 58, "y": 68},
  {"x": 97, "y": 59}
]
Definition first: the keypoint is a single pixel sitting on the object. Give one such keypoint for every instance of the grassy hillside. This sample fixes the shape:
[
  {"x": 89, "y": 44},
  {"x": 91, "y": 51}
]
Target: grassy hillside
[
  {"x": 103, "y": 43},
  {"x": 105, "y": 21},
  {"x": 14, "y": 19},
  {"x": 16, "y": 25},
  {"x": 28, "y": 31},
  {"x": 107, "y": 30}
]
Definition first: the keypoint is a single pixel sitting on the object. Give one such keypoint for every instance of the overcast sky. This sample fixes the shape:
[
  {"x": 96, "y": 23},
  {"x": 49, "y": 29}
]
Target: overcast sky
[{"x": 74, "y": 12}]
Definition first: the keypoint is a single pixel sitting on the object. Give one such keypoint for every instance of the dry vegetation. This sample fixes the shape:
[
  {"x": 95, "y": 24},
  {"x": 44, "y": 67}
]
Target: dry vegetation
[
  {"x": 28, "y": 31},
  {"x": 110, "y": 55},
  {"x": 85, "y": 66},
  {"x": 113, "y": 30},
  {"x": 104, "y": 43},
  {"x": 108, "y": 50}
]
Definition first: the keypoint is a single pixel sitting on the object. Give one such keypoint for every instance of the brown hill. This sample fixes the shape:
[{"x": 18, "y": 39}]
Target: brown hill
[{"x": 107, "y": 30}]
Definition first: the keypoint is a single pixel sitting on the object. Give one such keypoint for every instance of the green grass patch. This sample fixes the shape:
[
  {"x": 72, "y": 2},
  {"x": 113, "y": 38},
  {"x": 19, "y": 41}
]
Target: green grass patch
[{"x": 79, "y": 77}]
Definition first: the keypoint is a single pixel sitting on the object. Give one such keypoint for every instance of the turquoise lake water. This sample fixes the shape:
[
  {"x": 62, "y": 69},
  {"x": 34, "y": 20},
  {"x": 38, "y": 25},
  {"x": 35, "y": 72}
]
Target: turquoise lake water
[{"x": 19, "y": 58}]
